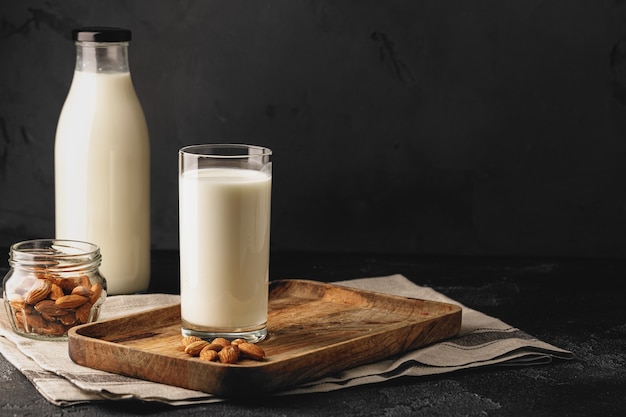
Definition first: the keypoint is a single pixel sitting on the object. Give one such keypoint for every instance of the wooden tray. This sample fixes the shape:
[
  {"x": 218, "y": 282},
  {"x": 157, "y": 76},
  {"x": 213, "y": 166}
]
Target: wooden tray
[{"x": 315, "y": 329}]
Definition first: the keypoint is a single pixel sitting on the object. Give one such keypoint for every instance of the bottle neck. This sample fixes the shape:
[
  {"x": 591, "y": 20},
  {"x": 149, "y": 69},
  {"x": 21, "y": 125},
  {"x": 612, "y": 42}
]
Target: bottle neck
[{"x": 102, "y": 57}]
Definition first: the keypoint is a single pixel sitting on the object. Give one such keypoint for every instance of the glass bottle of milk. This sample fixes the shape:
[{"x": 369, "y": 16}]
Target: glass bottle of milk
[{"x": 102, "y": 161}]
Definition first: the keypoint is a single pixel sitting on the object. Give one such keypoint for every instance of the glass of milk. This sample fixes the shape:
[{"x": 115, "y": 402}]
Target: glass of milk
[{"x": 224, "y": 214}]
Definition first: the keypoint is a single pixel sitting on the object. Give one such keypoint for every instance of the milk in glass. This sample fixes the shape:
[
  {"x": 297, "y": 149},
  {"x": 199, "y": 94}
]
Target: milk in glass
[{"x": 224, "y": 247}]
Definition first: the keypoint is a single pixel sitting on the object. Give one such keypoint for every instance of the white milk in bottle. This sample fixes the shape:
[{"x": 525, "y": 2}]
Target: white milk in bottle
[{"x": 102, "y": 154}]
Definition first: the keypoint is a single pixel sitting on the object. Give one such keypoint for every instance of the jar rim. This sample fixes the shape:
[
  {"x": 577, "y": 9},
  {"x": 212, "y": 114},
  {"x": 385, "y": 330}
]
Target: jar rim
[
  {"x": 77, "y": 247},
  {"x": 54, "y": 253}
]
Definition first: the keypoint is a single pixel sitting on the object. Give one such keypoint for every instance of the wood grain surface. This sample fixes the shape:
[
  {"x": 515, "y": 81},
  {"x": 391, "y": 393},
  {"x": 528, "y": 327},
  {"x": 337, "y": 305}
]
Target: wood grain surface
[{"x": 315, "y": 329}]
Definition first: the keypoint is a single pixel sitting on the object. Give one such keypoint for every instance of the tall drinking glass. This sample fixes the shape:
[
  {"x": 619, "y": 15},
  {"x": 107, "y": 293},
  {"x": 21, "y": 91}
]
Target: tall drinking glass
[{"x": 224, "y": 213}]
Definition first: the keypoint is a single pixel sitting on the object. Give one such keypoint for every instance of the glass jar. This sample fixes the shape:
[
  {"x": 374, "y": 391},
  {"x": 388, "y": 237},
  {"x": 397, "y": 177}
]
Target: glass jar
[{"x": 53, "y": 285}]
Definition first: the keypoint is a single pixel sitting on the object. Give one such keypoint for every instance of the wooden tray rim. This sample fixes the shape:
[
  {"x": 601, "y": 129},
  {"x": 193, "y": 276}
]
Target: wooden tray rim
[{"x": 78, "y": 335}]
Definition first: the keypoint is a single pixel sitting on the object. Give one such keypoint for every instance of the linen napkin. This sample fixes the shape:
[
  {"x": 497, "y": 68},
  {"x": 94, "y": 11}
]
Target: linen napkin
[{"x": 482, "y": 341}]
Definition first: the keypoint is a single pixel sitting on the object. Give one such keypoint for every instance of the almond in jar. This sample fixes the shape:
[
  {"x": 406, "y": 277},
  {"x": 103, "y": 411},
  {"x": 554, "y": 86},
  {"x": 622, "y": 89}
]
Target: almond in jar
[{"x": 53, "y": 285}]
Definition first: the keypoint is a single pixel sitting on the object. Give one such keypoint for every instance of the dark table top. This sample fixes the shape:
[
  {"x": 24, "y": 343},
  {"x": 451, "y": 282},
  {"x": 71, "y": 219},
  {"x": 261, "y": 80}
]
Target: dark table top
[{"x": 573, "y": 304}]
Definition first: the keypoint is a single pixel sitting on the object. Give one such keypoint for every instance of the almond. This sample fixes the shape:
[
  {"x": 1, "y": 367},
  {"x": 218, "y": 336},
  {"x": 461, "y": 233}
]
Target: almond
[
  {"x": 83, "y": 281},
  {"x": 215, "y": 347},
  {"x": 68, "y": 319},
  {"x": 18, "y": 315},
  {"x": 237, "y": 342},
  {"x": 67, "y": 284},
  {"x": 251, "y": 351},
  {"x": 34, "y": 321},
  {"x": 39, "y": 291},
  {"x": 194, "y": 348},
  {"x": 228, "y": 354},
  {"x": 81, "y": 290},
  {"x": 220, "y": 341},
  {"x": 189, "y": 339},
  {"x": 96, "y": 290},
  {"x": 208, "y": 354},
  {"x": 17, "y": 303},
  {"x": 49, "y": 307},
  {"x": 71, "y": 301},
  {"x": 48, "y": 318},
  {"x": 52, "y": 328},
  {"x": 56, "y": 292},
  {"x": 83, "y": 313}
]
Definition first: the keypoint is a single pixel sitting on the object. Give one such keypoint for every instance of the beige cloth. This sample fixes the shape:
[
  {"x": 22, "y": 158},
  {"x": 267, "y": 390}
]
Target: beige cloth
[{"x": 483, "y": 341}]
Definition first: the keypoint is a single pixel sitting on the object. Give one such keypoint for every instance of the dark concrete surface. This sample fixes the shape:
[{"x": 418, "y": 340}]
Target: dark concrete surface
[{"x": 571, "y": 303}]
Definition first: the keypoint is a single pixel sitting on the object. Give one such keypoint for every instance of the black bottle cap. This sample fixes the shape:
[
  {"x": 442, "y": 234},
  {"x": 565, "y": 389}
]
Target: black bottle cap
[{"x": 101, "y": 34}]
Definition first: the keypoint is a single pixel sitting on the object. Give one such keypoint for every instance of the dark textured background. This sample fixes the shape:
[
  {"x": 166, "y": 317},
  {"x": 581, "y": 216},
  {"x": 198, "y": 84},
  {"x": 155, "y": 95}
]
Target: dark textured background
[{"x": 448, "y": 127}]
